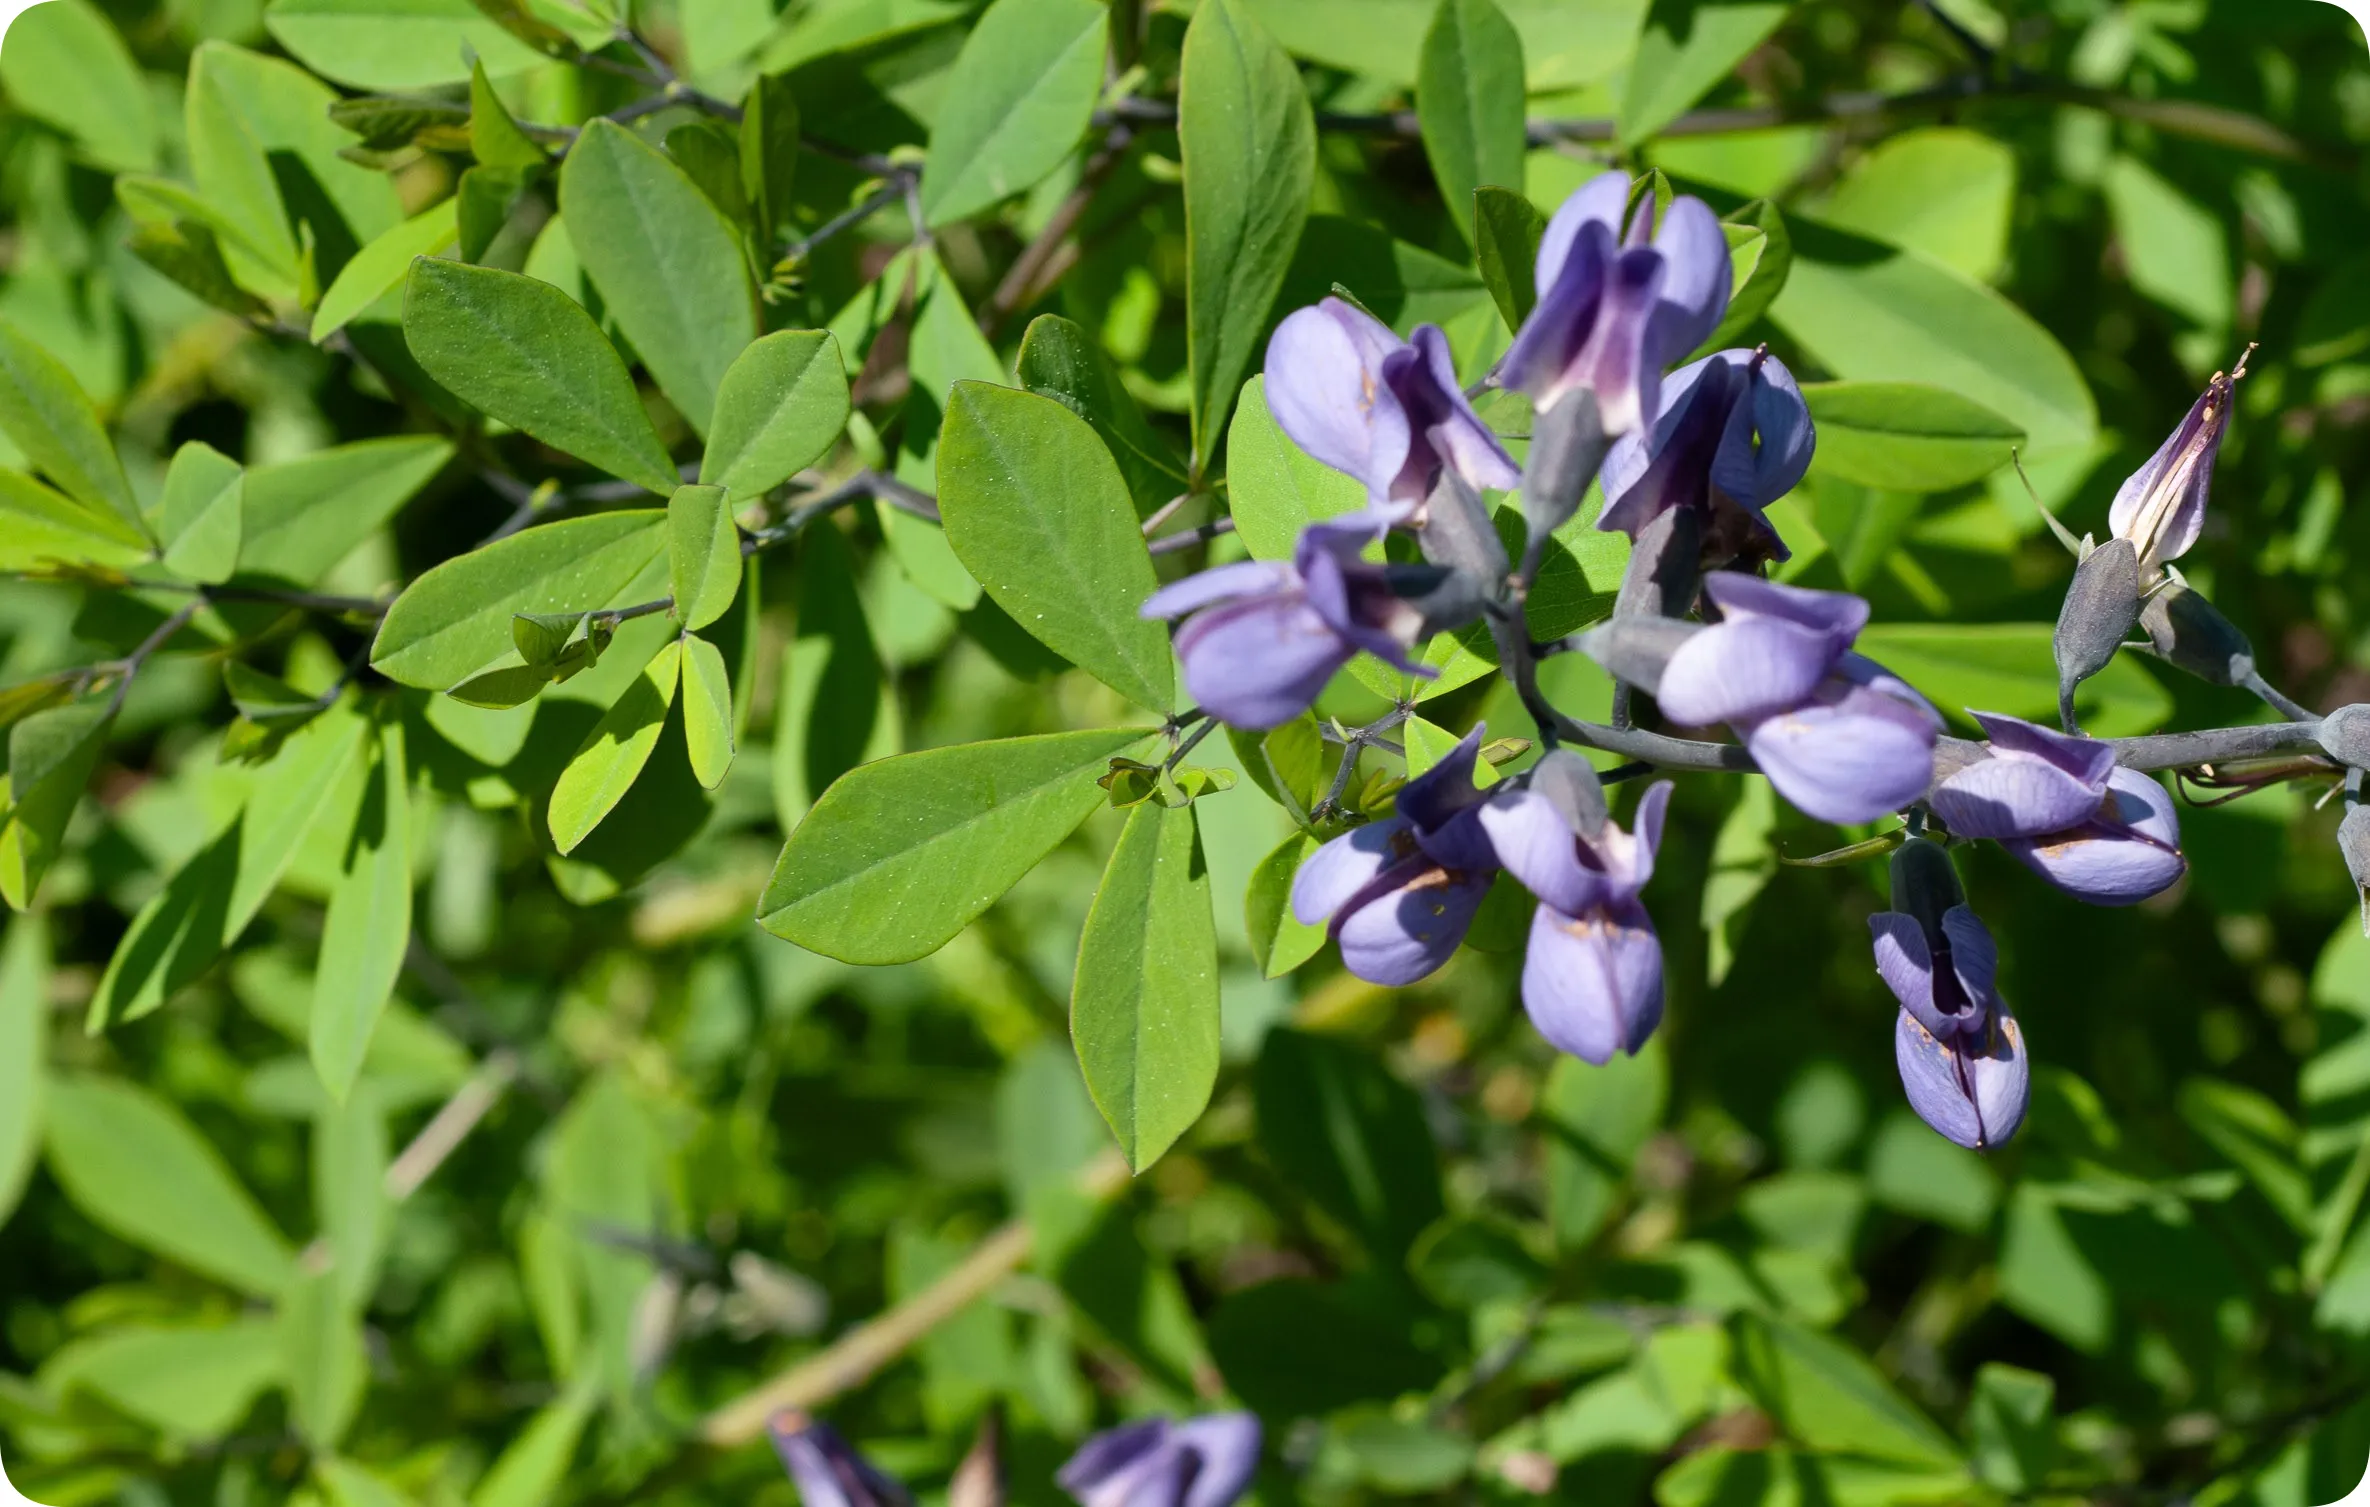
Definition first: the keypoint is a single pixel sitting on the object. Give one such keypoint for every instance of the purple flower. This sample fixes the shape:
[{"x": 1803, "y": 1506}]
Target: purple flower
[
  {"x": 1384, "y": 410},
  {"x": 1264, "y": 637},
  {"x": 1401, "y": 892},
  {"x": 827, "y": 1469},
  {"x": 1592, "y": 978},
  {"x": 1839, "y": 735},
  {"x": 2161, "y": 506},
  {"x": 2063, "y": 807},
  {"x": 1618, "y": 305},
  {"x": 1732, "y": 437},
  {"x": 1202, "y": 1462}
]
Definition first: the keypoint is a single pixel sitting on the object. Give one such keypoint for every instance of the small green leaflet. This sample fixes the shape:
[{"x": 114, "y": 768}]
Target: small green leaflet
[
  {"x": 303, "y": 516},
  {"x": 349, "y": 1175},
  {"x": 41, "y": 530},
  {"x": 1144, "y": 1000},
  {"x": 368, "y": 924},
  {"x": 781, "y": 405},
  {"x": 50, "y": 757},
  {"x": 604, "y": 768},
  {"x": 454, "y": 620},
  {"x": 24, "y": 1052},
  {"x": 395, "y": 45},
  {"x": 63, "y": 64},
  {"x": 130, "y": 1161},
  {"x": 1016, "y": 102},
  {"x": 520, "y": 350},
  {"x": 321, "y": 1359},
  {"x": 707, "y": 711},
  {"x": 190, "y": 1382},
  {"x": 1830, "y": 1397},
  {"x": 380, "y": 267},
  {"x": 1249, "y": 144},
  {"x": 1507, "y": 229},
  {"x": 1037, "y": 512},
  {"x": 46, "y": 414},
  {"x": 1906, "y": 436},
  {"x": 495, "y": 139},
  {"x": 1469, "y": 102},
  {"x": 1687, "y": 47},
  {"x": 703, "y": 554},
  {"x": 900, "y": 855},
  {"x": 1279, "y": 941},
  {"x": 200, "y": 515}
]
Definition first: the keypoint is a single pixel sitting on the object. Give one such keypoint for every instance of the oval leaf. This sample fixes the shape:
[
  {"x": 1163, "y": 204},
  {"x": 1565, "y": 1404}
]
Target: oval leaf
[
  {"x": 707, "y": 711},
  {"x": 64, "y": 64},
  {"x": 54, "y": 424},
  {"x": 41, "y": 529},
  {"x": 1038, "y": 513},
  {"x": 1469, "y": 102},
  {"x": 604, "y": 769},
  {"x": 368, "y": 925},
  {"x": 1906, "y": 436},
  {"x": 380, "y": 267},
  {"x": 1016, "y": 103},
  {"x": 703, "y": 554},
  {"x": 781, "y": 405},
  {"x": 900, "y": 855},
  {"x": 394, "y": 44}
]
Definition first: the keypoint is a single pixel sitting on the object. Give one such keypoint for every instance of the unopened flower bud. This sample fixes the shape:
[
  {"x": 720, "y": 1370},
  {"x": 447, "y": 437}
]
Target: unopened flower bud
[
  {"x": 2353, "y": 840},
  {"x": 1568, "y": 443},
  {"x": 2345, "y": 736},
  {"x": 1665, "y": 567},
  {"x": 1570, "y": 785},
  {"x": 1458, "y": 532},
  {"x": 1634, "y": 648},
  {"x": 2100, "y": 607},
  {"x": 1925, "y": 884},
  {"x": 2191, "y": 632}
]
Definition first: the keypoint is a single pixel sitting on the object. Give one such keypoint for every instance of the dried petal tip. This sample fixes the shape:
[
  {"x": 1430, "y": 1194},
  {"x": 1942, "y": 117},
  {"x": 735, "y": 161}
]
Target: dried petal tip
[{"x": 2161, "y": 507}]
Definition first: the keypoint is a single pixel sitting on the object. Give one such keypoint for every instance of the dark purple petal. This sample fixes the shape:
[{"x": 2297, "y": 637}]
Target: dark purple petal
[
  {"x": 1446, "y": 789},
  {"x": 1325, "y": 388},
  {"x": 1539, "y": 359},
  {"x": 1603, "y": 201},
  {"x": 1347, "y": 865},
  {"x": 2161, "y": 506},
  {"x": 1744, "y": 667},
  {"x": 1696, "y": 282},
  {"x": 1532, "y": 840},
  {"x": 1772, "y": 412},
  {"x": 1407, "y": 922},
  {"x": 1617, "y": 362},
  {"x": 1860, "y": 670},
  {"x": 1244, "y": 578},
  {"x": 1134, "y": 1465},
  {"x": 1593, "y": 984},
  {"x": 1845, "y": 763},
  {"x": 1906, "y": 965},
  {"x": 2086, "y": 759},
  {"x": 1447, "y": 428},
  {"x": 828, "y": 1471},
  {"x": 1836, "y": 614},
  {"x": 2010, "y": 797},
  {"x": 1461, "y": 844},
  {"x": 1667, "y": 463},
  {"x": 1974, "y": 956},
  {"x": 1227, "y": 1445},
  {"x": 1259, "y": 663}
]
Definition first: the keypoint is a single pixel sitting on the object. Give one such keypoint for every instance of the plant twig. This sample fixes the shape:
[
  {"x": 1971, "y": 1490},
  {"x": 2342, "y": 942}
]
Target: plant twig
[
  {"x": 450, "y": 1125},
  {"x": 1020, "y": 285},
  {"x": 1168, "y": 544}
]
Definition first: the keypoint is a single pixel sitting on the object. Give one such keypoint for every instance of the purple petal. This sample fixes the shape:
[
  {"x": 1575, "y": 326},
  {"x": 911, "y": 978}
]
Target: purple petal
[
  {"x": 2143, "y": 804},
  {"x": 1906, "y": 965},
  {"x": 1228, "y": 1447},
  {"x": 1930, "y": 1077},
  {"x": 1743, "y": 668},
  {"x": 1353, "y": 596},
  {"x": 1325, "y": 388},
  {"x": 1446, "y": 789},
  {"x": 1974, "y": 956},
  {"x": 1772, "y": 413},
  {"x": 1667, "y": 464},
  {"x": 1134, "y": 1465},
  {"x": 1539, "y": 360},
  {"x": 1843, "y": 764},
  {"x": 1593, "y": 984},
  {"x": 1616, "y": 362},
  {"x": 2009, "y": 797},
  {"x": 1972, "y": 1088},
  {"x": 1461, "y": 844},
  {"x": 1837, "y": 614},
  {"x": 1244, "y": 578},
  {"x": 1110, "y": 1452},
  {"x": 1259, "y": 663},
  {"x": 1530, "y": 838},
  {"x": 828, "y": 1471},
  {"x": 1602, "y": 201},
  {"x": 2119, "y": 859},
  {"x": 1346, "y": 865},
  {"x": 2003, "y": 1077},
  {"x": 2161, "y": 506},
  {"x": 1629, "y": 856},
  {"x": 1451, "y": 427},
  {"x": 1696, "y": 285},
  {"x": 1861, "y": 671},
  {"x": 1415, "y": 915},
  {"x": 2086, "y": 759}
]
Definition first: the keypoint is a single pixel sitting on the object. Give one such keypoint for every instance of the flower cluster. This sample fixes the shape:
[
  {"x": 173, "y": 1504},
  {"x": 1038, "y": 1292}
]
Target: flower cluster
[
  {"x": 1155, "y": 1462},
  {"x": 1690, "y": 460}
]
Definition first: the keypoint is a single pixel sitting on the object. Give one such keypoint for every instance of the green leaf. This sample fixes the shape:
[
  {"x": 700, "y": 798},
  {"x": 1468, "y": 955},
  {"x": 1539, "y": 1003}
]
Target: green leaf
[
  {"x": 531, "y": 1471},
  {"x": 41, "y": 529},
  {"x": 489, "y": 229},
  {"x": 208, "y": 902},
  {"x": 1872, "y": 313},
  {"x": 836, "y": 708},
  {"x": 129, "y": 1161},
  {"x": 707, "y": 711},
  {"x": 2174, "y": 249},
  {"x": 1469, "y": 103},
  {"x": 1279, "y": 941},
  {"x": 1743, "y": 863},
  {"x": 1760, "y": 257},
  {"x": 2012, "y": 1421},
  {"x": 769, "y": 153},
  {"x": 50, "y": 758},
  {"x": 1507, "y": 229},
  {"x": 1249, "y": 144},
  {"x": 190, "y": 1383},
  {"x": 394, "y": 44},
  {"x": 1144, "y": 1001},
  {"x": 495, "y": 139},
  {"x": 2010, "y": 667},
  {"x": 57, "y": 429},
  {"x": 1016, "y": 102},
  {"x": 779, "y": 409},
  {"x": 1469, "y": 1263},
  {"x": 24, "y": 1053},
  {"x": 519, "y": 349},
  {"x": 304, "y": 516},
  {"x": 259, "y": 132},
  {"x": 710, "y": 156},
  {"x": 1687, "y": 48},
  {"x": 1275, "y": 488},
  {"x": 2255, "y": 1135},
  {"x": 703, "y": 554},
  {"x": 606, "y": 766},
  {"x": 199, "y": 516},
  {"x": 189, "y": 253},
  {"x": 1597, "y": 1120},
  {"x": 1038, "y": 513},
  {"x": 321, "y": 1359},
  {"x": 1906, "y": 436},
  {"x": 368, "y": 925},
  {"x": 1295, "y": 1349},
  {"x": 350, "y": 1485},
  {"x": 1567, "y": 42},
  {"x": 1942, "y": 190},
  {"x": 65, "y": 65},
  {"x": 381, "y": 267},
  {"x": 666, "y": 263},
  {"x": 1060, "y": 360},
  {"x": 349, "y": 1177},
  {"x": 900, "y": 855},
  {"x": 454, "y": 620},
  {"x": 1828, "y": 1396},
  {"x": 1342, "y": 1129}
]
